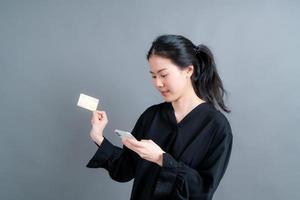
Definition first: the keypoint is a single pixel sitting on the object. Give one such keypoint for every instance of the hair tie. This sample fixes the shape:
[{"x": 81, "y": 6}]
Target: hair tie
[{"x": 197, "y": 49}]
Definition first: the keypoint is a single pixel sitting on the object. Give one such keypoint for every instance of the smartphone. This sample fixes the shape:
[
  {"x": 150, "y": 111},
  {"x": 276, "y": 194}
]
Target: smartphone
[{"x": 124, "y": 134}]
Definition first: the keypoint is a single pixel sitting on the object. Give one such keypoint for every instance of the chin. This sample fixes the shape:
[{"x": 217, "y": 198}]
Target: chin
[
  {"x": 171, "y": 98},
  {"x": 168, "y": 99}
]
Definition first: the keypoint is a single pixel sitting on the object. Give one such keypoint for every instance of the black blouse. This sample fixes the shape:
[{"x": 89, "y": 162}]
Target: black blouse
[{"x": 197, "y": 150}]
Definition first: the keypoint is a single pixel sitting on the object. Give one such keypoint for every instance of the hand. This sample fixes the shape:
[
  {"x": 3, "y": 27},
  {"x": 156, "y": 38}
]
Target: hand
[
  {"x": 98, "y": 121},
  {"x": 146, "y": 149}
]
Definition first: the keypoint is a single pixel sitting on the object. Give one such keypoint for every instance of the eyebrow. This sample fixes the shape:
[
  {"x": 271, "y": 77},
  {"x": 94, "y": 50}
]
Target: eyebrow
[{"x": 158, "y": 70}]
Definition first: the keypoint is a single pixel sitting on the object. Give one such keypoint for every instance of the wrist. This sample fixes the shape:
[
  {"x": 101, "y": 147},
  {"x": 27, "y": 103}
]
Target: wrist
[
  {"x": 99, "y": 140},
  {"x": 160, "y": 159},
  {"x": 96, "y": 129}
]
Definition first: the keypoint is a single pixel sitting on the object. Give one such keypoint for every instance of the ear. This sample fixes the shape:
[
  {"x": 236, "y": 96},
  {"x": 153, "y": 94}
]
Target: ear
[{"x": 189, "y": 70}]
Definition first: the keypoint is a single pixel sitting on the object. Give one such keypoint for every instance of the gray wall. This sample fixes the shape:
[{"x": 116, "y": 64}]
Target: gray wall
[{"x": 50, "y": 51}]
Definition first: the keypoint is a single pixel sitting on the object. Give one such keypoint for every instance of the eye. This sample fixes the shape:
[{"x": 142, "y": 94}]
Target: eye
[
  {"x": 153, "y": 76},
  {"x": 164, "y": 75}
]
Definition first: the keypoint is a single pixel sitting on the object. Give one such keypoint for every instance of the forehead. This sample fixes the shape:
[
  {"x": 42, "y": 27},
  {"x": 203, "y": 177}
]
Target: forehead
[{"x": 158, "y": 63}]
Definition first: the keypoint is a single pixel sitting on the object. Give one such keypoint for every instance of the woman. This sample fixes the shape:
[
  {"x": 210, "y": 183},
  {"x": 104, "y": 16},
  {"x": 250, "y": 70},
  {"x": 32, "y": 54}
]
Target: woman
[{"x": 183, "y": 144}]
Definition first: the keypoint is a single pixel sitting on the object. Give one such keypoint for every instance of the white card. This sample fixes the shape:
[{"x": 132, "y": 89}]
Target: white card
[
  {"x": 87, "y": 102},
  {"x": 124, "y": 134}
]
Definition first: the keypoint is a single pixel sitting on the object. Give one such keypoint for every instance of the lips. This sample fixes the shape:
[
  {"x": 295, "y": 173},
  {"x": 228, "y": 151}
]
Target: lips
[{"x": 164, "y": 92}]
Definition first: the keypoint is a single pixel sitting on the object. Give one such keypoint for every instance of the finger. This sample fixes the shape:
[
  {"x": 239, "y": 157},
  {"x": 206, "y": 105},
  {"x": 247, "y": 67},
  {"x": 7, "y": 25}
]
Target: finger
[
  {"x": 135, "y": 143},
  {"x": 96, "y": 114},
  {"x": 102, "y": 115},
  {"x": 149, "y": 141},
  {"x": 132, "y": 143},
  {"x": 125, "y": 142},
  {"x": 100, "y": 112},
  {"x": 130, "y": 146},
  {"x": 99, "y": 116},
  {"x": 94, "y": 117}
]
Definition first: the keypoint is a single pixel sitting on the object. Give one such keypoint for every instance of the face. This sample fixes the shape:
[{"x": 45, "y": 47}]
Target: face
[{"x": 171, "y": 81}]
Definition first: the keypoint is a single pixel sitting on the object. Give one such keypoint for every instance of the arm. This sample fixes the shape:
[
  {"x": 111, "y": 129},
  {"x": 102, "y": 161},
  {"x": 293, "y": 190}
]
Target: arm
[
  {"x": 120, "y": 163},
  {"x": 184, "y": 182}
]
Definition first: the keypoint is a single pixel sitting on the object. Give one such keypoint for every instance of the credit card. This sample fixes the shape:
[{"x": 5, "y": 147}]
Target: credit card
[{"x": 87, "y": 102}]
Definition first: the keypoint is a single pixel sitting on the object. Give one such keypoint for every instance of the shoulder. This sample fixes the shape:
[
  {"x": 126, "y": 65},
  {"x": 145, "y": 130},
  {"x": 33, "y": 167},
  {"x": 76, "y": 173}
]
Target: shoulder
[
  {"x": 219, "y": 121},
  {"x": 153, "y": 109},
  {"x": 148, "y": 114}
]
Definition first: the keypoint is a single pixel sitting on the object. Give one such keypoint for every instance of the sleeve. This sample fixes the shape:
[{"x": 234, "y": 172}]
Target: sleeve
[
  {"x": 119, "y": 162},
  {"x": 184, "y": 182}
]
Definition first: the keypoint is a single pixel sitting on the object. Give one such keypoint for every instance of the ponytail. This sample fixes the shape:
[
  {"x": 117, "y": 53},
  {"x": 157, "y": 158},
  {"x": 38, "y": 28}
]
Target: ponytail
[{"x": 206, "y": 80}]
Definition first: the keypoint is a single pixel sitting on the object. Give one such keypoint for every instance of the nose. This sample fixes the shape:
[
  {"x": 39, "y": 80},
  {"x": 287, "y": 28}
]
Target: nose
[{"x": 158, "y": 83}]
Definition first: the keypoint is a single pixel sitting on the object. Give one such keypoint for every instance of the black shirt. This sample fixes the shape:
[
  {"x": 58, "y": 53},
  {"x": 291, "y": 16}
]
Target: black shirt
[{"x": 197, "y": 150}]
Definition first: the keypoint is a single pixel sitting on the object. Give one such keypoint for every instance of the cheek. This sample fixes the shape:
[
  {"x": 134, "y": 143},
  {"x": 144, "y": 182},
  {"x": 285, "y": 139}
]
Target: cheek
[{"x": 176, "y": 83}]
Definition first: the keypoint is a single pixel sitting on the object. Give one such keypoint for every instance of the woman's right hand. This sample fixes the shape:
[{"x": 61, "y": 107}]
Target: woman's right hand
[{"x": 98, "y": 121}]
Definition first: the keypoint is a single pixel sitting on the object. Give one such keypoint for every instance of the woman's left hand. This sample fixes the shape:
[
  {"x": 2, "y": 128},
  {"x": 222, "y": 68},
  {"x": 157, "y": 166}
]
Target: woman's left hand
[{"x": 146, "y": 149}]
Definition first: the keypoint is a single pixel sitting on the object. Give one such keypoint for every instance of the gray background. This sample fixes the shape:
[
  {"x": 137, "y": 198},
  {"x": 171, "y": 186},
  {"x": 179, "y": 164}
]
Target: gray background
[{"x": 50, "y": 51}]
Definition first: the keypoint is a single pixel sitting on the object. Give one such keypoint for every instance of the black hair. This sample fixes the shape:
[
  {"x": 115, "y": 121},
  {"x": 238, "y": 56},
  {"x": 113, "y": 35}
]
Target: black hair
[{"x": 182, "y": 52}]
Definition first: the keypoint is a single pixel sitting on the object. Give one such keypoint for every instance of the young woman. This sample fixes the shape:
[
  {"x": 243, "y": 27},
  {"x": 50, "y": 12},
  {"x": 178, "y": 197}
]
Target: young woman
[{"x": 183, "y": 144}]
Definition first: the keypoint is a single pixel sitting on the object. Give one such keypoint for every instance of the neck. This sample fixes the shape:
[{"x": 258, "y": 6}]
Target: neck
[{"x": 186, "y": 102}]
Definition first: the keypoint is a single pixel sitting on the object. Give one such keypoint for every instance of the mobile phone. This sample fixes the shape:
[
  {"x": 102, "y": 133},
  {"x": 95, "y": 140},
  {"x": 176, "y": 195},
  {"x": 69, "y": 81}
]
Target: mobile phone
[{"x": 124, "y": 134}]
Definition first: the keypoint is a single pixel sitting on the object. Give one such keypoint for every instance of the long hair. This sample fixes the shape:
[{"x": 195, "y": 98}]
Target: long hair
[{"x": 182, "y": 52}]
